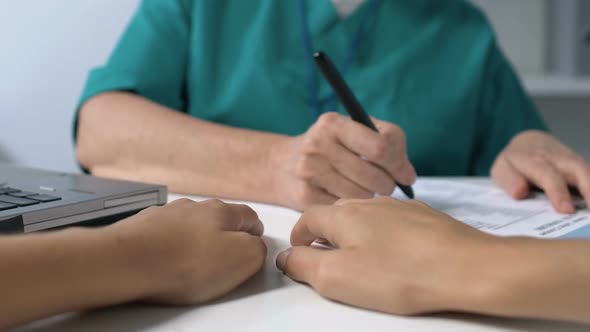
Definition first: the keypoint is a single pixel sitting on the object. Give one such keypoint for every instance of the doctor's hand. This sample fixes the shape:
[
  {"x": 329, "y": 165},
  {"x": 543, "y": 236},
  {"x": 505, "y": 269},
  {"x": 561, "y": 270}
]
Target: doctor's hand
[
  {"x": 340, "y": 158},
  {"x": 193, "y": 252},
  {"x": 537, "y": 158},
  {"x": 392, "y": 256}
]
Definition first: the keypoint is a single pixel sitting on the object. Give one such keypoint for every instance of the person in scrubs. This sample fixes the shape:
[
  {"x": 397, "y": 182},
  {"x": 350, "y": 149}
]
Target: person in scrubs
[{"x": 222, "y": 98}]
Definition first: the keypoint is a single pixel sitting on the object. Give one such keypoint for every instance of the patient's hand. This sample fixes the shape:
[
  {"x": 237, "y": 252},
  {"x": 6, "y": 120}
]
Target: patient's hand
[
  {"x": 535, "y": 157},
  {"x": 407, "y": 258},
  {"x": 392, "y": 256},
  {"x": 195, "y": 252}
]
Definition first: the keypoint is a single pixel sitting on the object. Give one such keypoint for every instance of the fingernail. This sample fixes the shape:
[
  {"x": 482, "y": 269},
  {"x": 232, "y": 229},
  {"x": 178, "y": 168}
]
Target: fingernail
[
  {"x": 281, "y": 260},
  {"x": 566, "y": 206}
]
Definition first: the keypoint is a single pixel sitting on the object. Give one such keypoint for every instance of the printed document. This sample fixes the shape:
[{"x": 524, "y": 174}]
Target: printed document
[{"x": 491, "y": 210}]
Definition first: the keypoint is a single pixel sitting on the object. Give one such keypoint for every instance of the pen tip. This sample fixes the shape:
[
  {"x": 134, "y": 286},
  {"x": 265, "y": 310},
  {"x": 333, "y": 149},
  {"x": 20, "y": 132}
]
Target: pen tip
[{"x": 408, "y": 191}]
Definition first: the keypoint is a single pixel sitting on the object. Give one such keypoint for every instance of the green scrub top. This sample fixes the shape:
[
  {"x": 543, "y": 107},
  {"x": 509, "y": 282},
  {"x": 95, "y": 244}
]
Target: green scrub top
[{"x": 432, "y": 67}]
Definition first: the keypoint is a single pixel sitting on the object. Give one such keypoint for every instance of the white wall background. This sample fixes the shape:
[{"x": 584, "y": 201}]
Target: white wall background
[
  {"x": 522, "y": 27},
  {"x": 47, "y": 48}
]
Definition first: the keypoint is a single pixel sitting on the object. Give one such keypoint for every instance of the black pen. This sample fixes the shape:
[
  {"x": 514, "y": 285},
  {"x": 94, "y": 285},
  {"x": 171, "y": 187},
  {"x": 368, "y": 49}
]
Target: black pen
[{"x": 351, "y": 104}]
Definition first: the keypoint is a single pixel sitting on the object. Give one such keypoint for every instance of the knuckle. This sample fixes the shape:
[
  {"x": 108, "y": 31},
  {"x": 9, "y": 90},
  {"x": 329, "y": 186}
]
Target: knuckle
[
  {"x": 304, "y": 169},
  {"x": 328, "y": 120},
  {"x": 248, "y": 210},
  {"x": 350, "y": 213},
  {"x": 216, "y": 203},
  {"x": 221, "y": 209},
  {"x": 311, "y": 144},
  {"x": 394, "y": 132},
  {"x": 183, "y": 201},
  {"x": 528, "y": 136},
  {"x": 379, "y": 150}
]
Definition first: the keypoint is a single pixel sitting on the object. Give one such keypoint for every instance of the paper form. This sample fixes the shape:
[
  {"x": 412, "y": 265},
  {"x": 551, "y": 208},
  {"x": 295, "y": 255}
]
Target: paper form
[{"x": 489, "y": 209}]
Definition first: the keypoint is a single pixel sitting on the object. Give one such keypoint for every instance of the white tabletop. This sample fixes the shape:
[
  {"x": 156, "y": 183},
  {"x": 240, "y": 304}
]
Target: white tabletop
[{"x": 272, "y": 302}]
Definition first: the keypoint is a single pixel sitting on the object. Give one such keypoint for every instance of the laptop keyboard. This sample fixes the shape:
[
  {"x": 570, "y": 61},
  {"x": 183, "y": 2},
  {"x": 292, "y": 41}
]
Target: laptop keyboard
[{"x": 11, "y": 198}]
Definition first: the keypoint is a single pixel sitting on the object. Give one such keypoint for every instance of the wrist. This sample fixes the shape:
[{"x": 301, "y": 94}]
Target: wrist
[
  {"x": 467, "y": 280},
  {"x": 500, "y": 276},
  {"x": 137, "y": 258},
  {"x": 98, "y": 269}
]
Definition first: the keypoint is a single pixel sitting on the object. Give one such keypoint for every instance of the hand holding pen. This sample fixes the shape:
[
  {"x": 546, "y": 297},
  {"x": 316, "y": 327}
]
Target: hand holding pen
[
  {"x": 339, "y": 157},
  {"x": 354, "y": 107}
]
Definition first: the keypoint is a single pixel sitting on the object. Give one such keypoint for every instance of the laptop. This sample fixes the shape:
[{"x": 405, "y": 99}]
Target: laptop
[{"x": 34, "y": 200}]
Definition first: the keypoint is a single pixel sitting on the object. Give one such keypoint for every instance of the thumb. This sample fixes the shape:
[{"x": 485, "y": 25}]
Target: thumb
[{"x": 300, "y": 263}]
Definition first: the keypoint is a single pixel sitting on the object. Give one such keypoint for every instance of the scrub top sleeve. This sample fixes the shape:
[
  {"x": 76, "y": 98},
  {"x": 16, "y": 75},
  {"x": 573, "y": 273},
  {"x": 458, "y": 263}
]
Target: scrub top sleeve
[
  {"x": 151, "y": 57},
  {"x": 505, "y": 110}
]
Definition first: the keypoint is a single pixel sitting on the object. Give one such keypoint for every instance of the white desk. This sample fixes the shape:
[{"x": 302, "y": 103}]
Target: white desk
[{"x": 272, "y": 302}]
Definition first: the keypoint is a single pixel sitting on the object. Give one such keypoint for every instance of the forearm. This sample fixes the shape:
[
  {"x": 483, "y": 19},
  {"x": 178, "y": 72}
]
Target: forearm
[
  {"x": 122, "y": 135},
  {"x": 531, "y": 278},
  {"x": 70, "y": 270}
]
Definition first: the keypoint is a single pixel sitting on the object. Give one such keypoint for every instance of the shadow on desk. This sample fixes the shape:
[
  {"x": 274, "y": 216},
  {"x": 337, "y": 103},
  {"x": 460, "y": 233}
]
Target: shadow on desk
[{"x": 135, "y": 317}]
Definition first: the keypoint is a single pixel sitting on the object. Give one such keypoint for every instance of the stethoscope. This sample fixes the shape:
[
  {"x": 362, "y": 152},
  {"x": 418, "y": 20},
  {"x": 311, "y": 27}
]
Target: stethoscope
[{"x": 330, "y": 101}]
